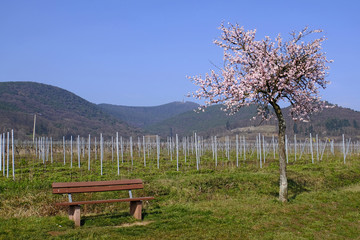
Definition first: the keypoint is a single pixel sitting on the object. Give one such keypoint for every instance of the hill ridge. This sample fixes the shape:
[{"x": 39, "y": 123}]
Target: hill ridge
[
  {"x": 144, "y": 116},
  {"x": 59, "y": 112}
]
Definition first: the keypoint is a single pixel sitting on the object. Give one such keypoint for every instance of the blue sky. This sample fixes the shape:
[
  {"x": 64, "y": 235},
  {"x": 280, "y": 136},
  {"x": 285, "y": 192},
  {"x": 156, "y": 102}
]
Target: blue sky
[{"x": 138, "y": 53}]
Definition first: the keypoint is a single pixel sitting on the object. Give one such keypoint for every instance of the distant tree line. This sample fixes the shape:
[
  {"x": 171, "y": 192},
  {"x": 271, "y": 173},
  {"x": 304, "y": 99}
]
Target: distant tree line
[
  {"x": 335, "y": 124},
  {"x": 330, "y": 125}
]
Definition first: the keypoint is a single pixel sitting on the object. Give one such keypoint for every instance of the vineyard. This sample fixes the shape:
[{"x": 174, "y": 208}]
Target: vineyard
[
  {"x": 222, "y": 188},
  {"x": 118, "y": 156}
]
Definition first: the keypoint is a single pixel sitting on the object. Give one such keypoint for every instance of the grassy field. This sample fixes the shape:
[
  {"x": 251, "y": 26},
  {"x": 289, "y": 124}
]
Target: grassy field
[{"x": 213, "y": 203}]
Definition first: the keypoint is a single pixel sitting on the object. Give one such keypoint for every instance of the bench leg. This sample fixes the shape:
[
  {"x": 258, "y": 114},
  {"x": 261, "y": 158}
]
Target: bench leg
[
  {"x": 135, "y": 209},
  {"x": 74, "y": 214}
]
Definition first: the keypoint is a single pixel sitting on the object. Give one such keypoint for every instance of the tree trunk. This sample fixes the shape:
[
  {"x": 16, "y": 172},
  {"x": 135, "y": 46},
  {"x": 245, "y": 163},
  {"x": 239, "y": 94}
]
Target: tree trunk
[{"x": 283, "y": 192}]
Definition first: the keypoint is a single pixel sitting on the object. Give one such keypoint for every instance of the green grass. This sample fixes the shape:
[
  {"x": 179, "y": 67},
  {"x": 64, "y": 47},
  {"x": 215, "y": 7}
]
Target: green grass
[{"x": 222, "y": 202}]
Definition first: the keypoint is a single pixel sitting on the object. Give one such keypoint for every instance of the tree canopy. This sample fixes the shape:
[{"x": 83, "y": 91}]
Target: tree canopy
[{"x": 266, "y": 72}]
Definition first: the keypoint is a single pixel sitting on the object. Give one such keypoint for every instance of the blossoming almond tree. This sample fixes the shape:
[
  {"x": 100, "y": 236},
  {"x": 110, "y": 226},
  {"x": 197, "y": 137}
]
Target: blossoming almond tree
[{"x": 265, "y": 73}]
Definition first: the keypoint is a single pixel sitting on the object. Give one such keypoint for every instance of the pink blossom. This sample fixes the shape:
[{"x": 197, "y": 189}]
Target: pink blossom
[{"x": 266, "y": 72}]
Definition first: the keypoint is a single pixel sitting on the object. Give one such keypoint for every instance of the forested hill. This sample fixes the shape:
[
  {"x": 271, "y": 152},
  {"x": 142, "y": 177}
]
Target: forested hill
[
  {"x": 213, "y": 121},
  {"x": 331, "y": 122},
  {"x": 58, "y": 112},
  {"x": 146, "y": 116}
]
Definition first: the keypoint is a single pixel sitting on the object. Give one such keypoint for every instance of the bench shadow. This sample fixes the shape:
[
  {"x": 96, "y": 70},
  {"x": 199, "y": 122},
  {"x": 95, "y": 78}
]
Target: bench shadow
[
  {"x": 112, "y": 219},
  {"x": 106, "y": 219},
  {"x": 146, "y": 213}
]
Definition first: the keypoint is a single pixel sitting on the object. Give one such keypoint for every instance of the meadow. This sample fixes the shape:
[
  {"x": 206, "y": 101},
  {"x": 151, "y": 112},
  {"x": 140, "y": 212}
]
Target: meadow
[{"x": 232, "y": 198}]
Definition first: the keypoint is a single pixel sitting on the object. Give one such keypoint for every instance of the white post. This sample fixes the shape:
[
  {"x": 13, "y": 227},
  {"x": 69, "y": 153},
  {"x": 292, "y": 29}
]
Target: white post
[
  {"x": 144, "y": 151},
  {"x": 13, "y": 155},
  {"x": 171, "y": 150},
  {"x": 117, "y": 153},
  {"x": 237, "y": 150},
  {"x": 78, "y": 150},
  {"x": 215, "y": 147},
  {"x": 35, "y": 143},
  {"x": 112, "y": 148},
  {"x": 83, "y": 144},
  {"x": 71, "y": 152},
  {"x": 257, "y": 146},
  {"x": 286, "y": 148},
  {"x": 139, "y": 147},
  {"x": 101, "y": 154},
  {"x": 95, "y": 149},
  {"x": 3, "y": 152},
  {"x": 89, "y": 152},
  {"x": 158, "y": 151},
  {"x": 122, "y": 149},
  {"x": 1, "y": 160},
  {"x": 196, "y": 153},
  {"x": 189, "y": 143},
  {"x": 46, "y": 150},
  {"x": 51, "y": 150},
  {"x": 344, "y": 151},
  {"x": 295, "y": 146},
  {"x": 185, "y": 147},
  {"x": 264, "y": 150},
  {"x": 244, "y": 148},
  {"x": 34, "y": 127},
  {"x": 43, "y": 149},
  {"x": 228, "y": 146},
  {"x": 177, "y": 153},
  {"x": 212, "y": 147},
  {"x": 39, "y": 146},
  {"x": 168, "y": 145},
  {"x": 317, "y": 147},
  {"x": 7, "y": 151},
  {"x": 259, "y": 150},
  {"x": 273, "y": 143},
  {"x": 64, "y": 148},
  {"x": 131, "y": 151},
  {"x": 311, "y": 149},
  {"x": 149, "y": 146}
]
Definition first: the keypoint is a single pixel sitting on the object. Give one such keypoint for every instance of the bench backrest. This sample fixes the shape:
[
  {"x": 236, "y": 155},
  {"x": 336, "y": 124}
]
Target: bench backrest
[{"x": 98, "y": 186}]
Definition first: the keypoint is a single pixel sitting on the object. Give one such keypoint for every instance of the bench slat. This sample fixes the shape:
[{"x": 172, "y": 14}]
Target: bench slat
[
  {"x": 96, "y": 183},
  {"x": 97, "y": 189},
  {"x": 105, "y": 201}
]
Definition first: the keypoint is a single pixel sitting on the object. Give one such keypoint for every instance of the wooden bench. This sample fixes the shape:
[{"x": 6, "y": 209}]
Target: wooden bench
[{"x": 100, "y": 186}]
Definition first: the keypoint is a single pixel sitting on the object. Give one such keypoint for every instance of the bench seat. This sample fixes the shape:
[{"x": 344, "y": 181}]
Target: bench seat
[{"x": 105, "y": 201}]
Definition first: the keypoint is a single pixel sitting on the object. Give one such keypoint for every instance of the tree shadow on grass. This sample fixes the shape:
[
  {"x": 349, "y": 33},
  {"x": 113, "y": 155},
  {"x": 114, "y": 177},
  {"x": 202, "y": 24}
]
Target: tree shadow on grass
[{"x": 295, "y": 188}]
